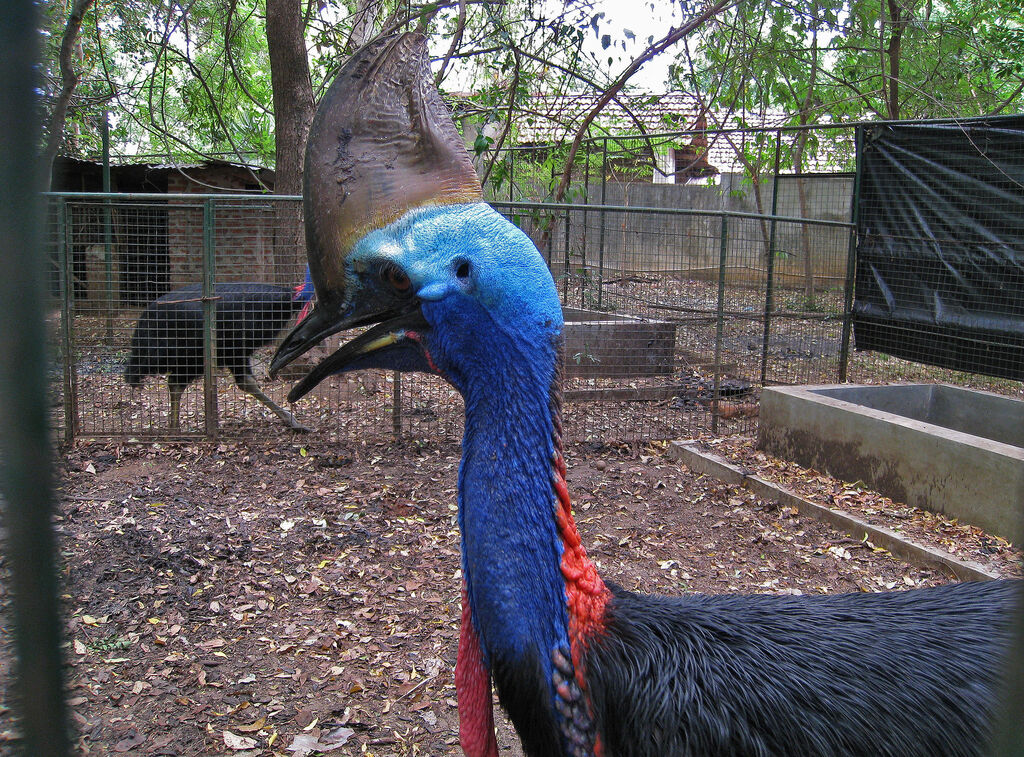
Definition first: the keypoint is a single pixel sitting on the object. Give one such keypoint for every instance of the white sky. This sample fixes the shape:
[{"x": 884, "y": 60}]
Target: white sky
[{"x": 645, "y": 19}]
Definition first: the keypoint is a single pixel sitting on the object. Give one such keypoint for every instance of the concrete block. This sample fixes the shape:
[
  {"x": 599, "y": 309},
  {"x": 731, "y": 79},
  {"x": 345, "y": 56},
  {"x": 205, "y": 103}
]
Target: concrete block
[{"x": 967, "y": 476}]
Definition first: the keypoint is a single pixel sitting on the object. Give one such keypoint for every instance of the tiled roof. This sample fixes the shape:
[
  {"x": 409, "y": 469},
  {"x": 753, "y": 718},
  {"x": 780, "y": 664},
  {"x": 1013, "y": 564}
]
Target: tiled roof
[{"x": 676, "y": 117}]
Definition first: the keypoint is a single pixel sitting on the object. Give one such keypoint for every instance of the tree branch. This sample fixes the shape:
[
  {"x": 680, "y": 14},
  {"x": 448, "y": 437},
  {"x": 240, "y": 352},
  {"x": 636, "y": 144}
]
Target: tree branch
[
  {"x": 70, "y": 79},
  {"x": 658, "y": 47}
]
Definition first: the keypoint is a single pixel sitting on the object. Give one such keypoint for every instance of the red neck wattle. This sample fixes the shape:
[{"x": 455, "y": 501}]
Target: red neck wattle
[
  {"x": 586, "y": 593},
  {"x": 473, "y": 690}
]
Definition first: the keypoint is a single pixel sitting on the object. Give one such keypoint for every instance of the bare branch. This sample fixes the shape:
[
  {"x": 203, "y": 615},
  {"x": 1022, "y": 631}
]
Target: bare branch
[
  {"x": 658, "y": 47},
  {"x": 456, "y": 42}
]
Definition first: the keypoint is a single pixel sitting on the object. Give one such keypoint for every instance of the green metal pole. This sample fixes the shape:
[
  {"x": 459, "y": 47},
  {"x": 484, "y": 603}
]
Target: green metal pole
[
  {"x": 600, "y": 245},
  {"x": 583, "y": 230},
  {"x": 396, "y": 405},
  {"x": 108, "y": 248},
  {"x": 769, "y": 291},
  {"x": 67, "y": 321},
  {"x": 851, "y": 265},
  {"x": 568, "y": 243},
  {"x": 26, "y": 454},
  {"x": 723, "y": 253},
  {"x": 209, "y": 321}
]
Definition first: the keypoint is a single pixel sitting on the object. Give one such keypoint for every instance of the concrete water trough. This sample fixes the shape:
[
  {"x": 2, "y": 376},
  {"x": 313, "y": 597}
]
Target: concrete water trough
[
  {"x": 603, "y": 344},
  {"x": 953, "y": 451}
]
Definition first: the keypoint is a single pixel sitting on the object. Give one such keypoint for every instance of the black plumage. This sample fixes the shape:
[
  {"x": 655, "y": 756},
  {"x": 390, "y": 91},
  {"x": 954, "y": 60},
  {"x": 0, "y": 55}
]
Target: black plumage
[
  {"x": 168, "y": 338},
  {"x": 899, "y": 673}
]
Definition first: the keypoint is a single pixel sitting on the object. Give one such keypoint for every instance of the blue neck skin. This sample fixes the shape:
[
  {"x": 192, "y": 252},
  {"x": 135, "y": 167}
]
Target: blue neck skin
[
  {"x": 495, "y": 338},
  {"x": 510, "y": 544}
]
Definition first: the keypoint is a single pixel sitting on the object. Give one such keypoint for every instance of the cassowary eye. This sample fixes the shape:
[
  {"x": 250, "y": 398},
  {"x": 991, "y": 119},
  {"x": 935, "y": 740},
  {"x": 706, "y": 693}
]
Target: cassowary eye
[
  {"x": 395, "y": 277},
  {"x": 463, "y": 270}
]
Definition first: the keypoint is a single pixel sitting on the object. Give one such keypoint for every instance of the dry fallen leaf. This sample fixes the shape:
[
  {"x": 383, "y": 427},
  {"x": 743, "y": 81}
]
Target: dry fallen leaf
[
  {"x": 252, "y": 727},
  {"x": 306, "y": 743},
  {"x": 131, "y": 740},
  {"x": 233, "y": 741}
]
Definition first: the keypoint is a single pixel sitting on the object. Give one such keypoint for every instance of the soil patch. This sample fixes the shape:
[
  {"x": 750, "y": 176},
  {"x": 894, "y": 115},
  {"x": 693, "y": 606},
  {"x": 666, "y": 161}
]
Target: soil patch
[{"x": 296, "y": 597}]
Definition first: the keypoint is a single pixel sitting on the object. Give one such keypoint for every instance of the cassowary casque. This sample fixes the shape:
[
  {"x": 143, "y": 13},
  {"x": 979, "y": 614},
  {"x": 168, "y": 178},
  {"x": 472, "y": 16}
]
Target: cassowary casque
[{"x": 399, "y": 237}]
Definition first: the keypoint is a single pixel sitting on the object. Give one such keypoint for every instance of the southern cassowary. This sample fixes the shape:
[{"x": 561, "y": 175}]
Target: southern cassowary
[
  {"x": 168, "y": 338},
  {"x": 399, "y": 237}
]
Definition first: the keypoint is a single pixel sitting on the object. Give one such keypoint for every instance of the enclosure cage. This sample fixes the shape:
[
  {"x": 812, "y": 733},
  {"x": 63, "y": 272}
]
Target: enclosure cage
[
  {"x": 670, "y": 323},
  {"x": 687, "y": 285}
]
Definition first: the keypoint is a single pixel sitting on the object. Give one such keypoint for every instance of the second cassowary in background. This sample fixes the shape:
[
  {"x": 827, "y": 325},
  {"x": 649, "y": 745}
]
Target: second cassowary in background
[
  {"x": 399, "y": 237},
  {"x": 168, "y": 339}
]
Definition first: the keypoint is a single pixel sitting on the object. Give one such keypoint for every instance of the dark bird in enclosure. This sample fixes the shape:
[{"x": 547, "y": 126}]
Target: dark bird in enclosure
[
  {"x": 168, "y": 338},
  {"x": 399, "y": 237}
]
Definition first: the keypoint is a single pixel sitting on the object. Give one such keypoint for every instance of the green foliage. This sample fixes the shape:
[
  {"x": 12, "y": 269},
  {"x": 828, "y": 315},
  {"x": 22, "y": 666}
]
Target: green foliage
[
  {"x": 839, "y": 60},
  {"x": 188, "y": 80}
]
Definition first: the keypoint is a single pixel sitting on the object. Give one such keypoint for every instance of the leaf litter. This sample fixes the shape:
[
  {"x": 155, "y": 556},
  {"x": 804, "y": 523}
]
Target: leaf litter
[{"x": 197, "y": 623}]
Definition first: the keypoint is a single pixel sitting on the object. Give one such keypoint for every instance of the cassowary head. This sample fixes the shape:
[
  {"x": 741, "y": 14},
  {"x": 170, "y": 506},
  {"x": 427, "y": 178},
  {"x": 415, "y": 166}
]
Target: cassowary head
[{"x": 398, "y": 236}]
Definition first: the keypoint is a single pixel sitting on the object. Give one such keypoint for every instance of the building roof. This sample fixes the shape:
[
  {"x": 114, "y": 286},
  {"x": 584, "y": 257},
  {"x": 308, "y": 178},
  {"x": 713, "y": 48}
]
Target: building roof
[{"x": 675, "y": 119}]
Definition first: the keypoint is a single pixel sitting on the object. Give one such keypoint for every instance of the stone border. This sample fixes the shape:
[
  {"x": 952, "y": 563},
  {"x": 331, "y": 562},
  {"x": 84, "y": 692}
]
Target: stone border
[{"x": 929, "y": 557}]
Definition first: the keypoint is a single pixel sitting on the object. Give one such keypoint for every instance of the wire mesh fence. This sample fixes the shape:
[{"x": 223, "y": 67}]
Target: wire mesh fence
[
  {"x": 681, "y": 301},
  {"x": 665, "y": 332}
]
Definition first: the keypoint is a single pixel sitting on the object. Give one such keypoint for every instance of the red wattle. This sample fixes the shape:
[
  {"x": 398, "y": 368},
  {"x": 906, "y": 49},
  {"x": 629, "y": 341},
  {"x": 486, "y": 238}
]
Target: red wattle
[
  {"x": 585, "y": 592},
  {"x": 473, "y": 691}
]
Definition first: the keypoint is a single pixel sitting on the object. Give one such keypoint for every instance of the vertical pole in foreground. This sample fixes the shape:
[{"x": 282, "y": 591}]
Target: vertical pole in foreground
[
  {"x": 1009, "y": 734},
  {"x": 26, "y": 468}
]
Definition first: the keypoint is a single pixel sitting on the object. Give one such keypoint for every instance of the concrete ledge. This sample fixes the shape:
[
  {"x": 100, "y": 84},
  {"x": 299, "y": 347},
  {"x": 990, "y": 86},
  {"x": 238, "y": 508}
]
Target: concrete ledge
[
  {"x": 928, "y": 557},
  {"x": 948, "y": 450}
]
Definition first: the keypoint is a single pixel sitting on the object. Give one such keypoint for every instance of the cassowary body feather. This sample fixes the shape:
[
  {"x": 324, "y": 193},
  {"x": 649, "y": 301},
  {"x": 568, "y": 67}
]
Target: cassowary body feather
[
  {"x": 168, "y": 339},
  {"x": 849, "y": 674}
]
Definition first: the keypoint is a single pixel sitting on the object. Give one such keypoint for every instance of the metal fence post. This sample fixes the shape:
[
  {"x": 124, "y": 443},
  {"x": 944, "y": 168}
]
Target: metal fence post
[
  {"x": 26, "y": 454},
  {"x": 769, "y": 291},
  {"x": 67, "y": 314},
  {"x": 851, "y": 266},
  {"x": 604, "y": 217},
  {"x": 108, "y": 249},
  {"x": 209, "y": 322},
  {"x": 396, "y": 405},
  {"x": 720, "y": 320},
  {"x": 568, "y": 242}
]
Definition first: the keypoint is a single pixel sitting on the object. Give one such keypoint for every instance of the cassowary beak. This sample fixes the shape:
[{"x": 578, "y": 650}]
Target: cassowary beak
[{"x": 382, "y": 143}]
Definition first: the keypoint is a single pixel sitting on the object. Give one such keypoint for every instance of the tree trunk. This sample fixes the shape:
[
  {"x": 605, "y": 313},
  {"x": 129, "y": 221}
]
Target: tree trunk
[
  {"x": 293, "y": 112},
  {"x": 69, "y": 80},
  {"x": 293, "y": 92}
]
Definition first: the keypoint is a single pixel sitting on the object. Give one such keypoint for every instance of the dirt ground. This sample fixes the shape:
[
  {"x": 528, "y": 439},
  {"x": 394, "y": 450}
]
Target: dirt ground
[{"x": 290, "y": 597}]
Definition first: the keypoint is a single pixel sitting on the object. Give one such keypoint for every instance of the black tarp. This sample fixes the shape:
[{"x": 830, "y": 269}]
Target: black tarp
[{"x": 940, "y": 244}]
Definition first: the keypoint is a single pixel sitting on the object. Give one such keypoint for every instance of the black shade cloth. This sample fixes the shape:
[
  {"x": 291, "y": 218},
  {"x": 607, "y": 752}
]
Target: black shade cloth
[{"x": 940, "y": 250}]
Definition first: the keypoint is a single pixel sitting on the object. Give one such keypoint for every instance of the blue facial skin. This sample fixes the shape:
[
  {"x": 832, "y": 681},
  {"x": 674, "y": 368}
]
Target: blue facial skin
[{"x": 494, "y": 327}]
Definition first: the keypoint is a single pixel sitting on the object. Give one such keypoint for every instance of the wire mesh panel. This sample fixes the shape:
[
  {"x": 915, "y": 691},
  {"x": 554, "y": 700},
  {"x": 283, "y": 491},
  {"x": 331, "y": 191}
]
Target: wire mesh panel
[
  {"x": 664, "y": 337},
  {"x": 941, "y": 245},
  {"x": 137, "y": 325},
  {"x": 681, "y": 299},
  {"x": 670, "y": 324}
]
